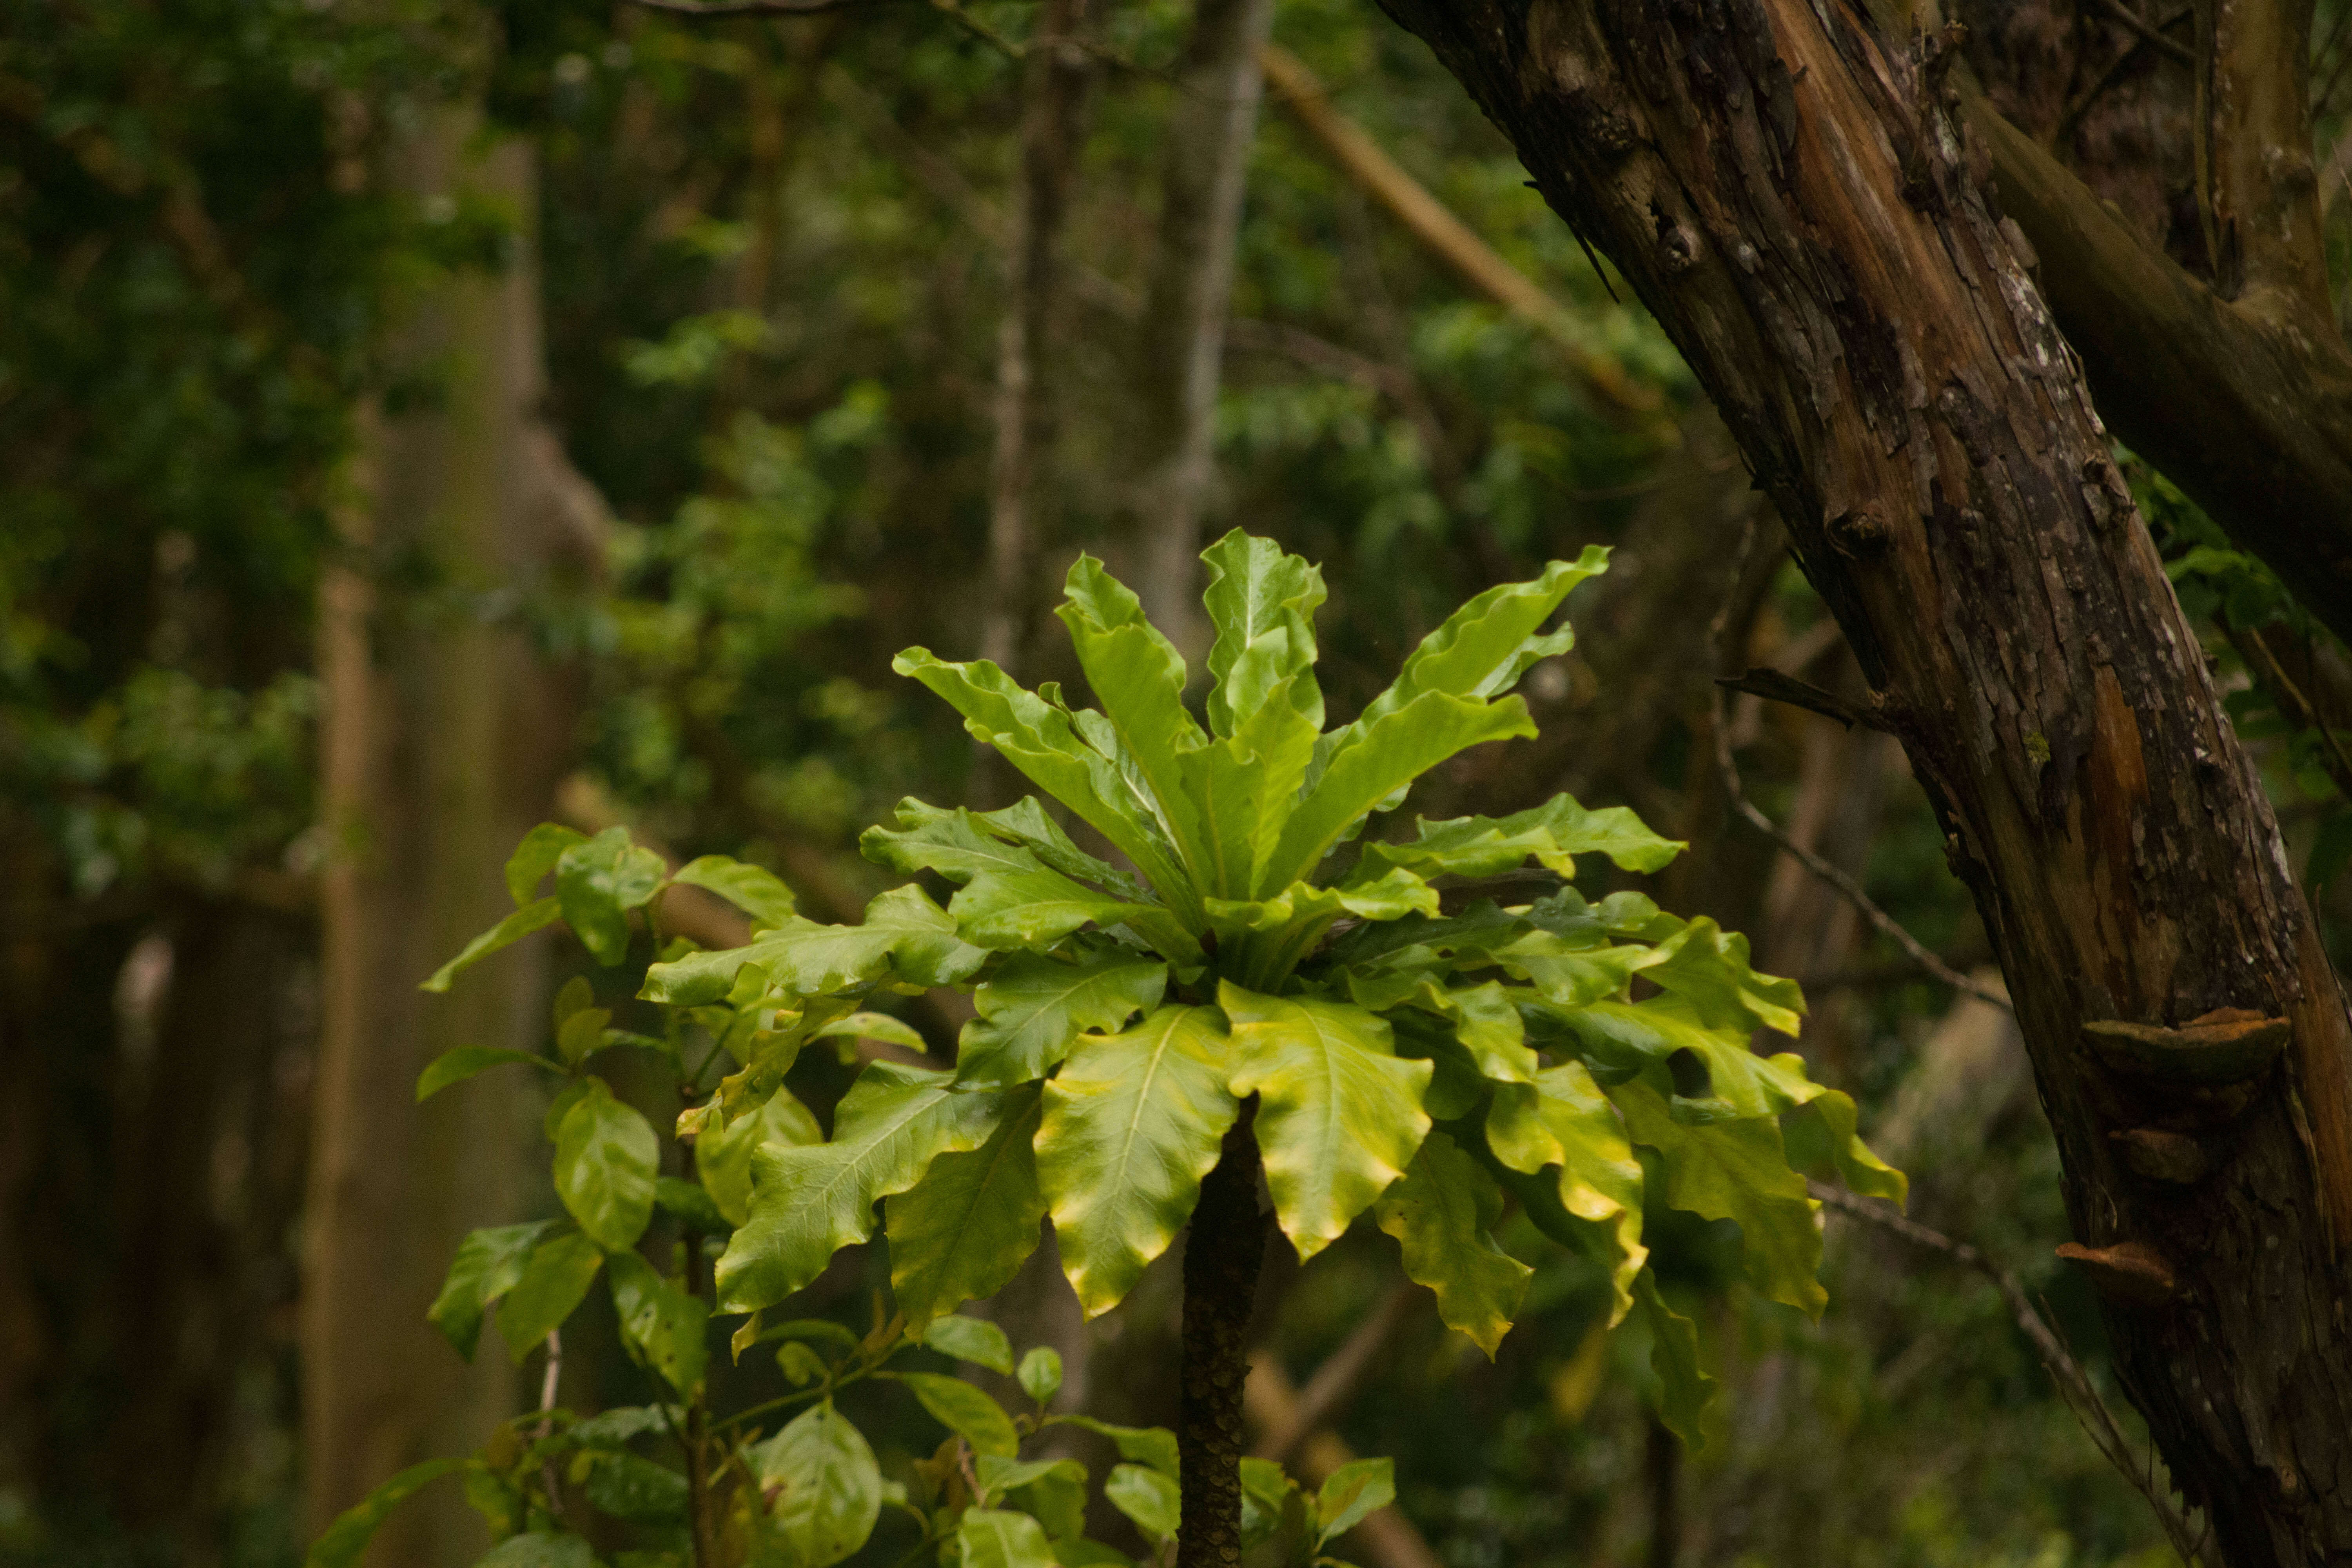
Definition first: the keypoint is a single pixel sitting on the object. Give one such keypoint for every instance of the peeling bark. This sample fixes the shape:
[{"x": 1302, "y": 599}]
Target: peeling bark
[{"x": 1787, "y": 190}]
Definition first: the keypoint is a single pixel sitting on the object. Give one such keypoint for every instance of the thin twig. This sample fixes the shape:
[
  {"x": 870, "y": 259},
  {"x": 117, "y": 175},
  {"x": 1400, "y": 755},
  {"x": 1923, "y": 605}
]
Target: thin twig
[
  {"x": 2074, "y": 1385},
  {"x": 2153, "y": 37},
  {"x": 547, "y": 1383},
  {"x": 1836, "y": 877}
]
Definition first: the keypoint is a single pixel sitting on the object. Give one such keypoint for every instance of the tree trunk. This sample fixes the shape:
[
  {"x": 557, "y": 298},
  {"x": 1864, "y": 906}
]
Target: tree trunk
[
  {"x": 441, "y": 744},
  {"x": 1052, "y": 127},
  {"x": 1222, "y": 1253},
  {"x": 1179, "y": 360},
  {"x": 1787, "y": 193}
]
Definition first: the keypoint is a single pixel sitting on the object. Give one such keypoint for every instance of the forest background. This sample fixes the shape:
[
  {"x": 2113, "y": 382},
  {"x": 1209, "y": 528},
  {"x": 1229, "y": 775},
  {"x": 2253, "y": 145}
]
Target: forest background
[{"x": 417, "y": 420}]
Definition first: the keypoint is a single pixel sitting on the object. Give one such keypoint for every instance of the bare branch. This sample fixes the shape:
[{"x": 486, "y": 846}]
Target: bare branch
[
  {"x": 1339, "y": 1379},
  {"x": 2074, "y": 1385},
  {"x": 1728, "y": 768}
]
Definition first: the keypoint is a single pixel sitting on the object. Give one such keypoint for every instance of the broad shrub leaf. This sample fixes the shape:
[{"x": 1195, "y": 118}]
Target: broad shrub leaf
[
  {"x": 999, "y": 1538},
  {"x": 489, "y": 1264},
  {"x": 810, "y": 1202},
  {"x": 554, "y": 1281},
  {"x": 1685, "y": 1390},
  {"x": 661, "y": 1325},
  {"x": 964, "y": 1410},
  {"x": 1132, "y": 1123},
  {"x": 975, "y": 1340},
  {"x": 826, "y": 1485},
  {"x": 597, "y": 883},
  {"x": 756, "y": 890},
  {"x": 342, "y": 1543},
  {"x": 722, "y": 1159},
  {"x": 1339, "y": 1113},
  {"x": 1148, "y": 1498},
  {"x": 506, "y": 934},
  {"x": 606, "y": 1159}
]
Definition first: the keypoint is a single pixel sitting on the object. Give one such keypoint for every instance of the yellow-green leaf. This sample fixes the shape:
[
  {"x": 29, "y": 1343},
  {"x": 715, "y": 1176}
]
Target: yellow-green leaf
[
  {"x": 1034, "y": 1008},
  {"x": 606, "y": 1155},
  {"x": 1339, "y": 1113},
  {"x": 1131, "y": 1124},
  {"x": 1737, "y": 1171},
  {"x": 826, "y": 1485}
]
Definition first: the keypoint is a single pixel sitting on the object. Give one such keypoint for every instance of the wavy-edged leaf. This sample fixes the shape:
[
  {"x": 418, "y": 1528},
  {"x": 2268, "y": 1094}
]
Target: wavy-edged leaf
[
  {"x": 489, "y": 1264},
  {"x": 1261, "y": 603},
  {"x": 1441, "y": 1213},
  {"x": 808, "y": 1203},
  {"x": 1483, "y": 649},
  {"x": 1000, "y": 1538},
  {"x": 662, "y": 1326},
  {"x": 1036, "y": 908},
  {"x": 1242, "y": 786},
  {"x": 756, "y": 890},
  {"x": 1552, "y": 835},
  {"x": 1339, "y": 1113},
  {"x": 905, "y": 936},
  {"x": 1822, "y": 1134},
  {"x": 723, "y": 1159},
  {"x": 554, "y": 1281},
  {"x": 957, "y": 844},
  {"x": 1484, "y": 1017},
  {"x": 1034, "y": 1008},
  {"x": 1624, "y": 1037},
  {"x": 1737, "y": 1171},
  {"x": 1137, "y": 677},
  {"x": 965, "y": 1229},
  {"x": 1571, "y": 972},
  {"x": 1685, "y": 1389},
  {"x": 1563, "y": 1119},
  {"x": 964, "y": 1409},
  {"x": 534, "y": 917},
  {"x": 1708, "y": 967},
  {"x": 871, "y": 1027},
  {"x": 1381, "y": 759},
  {"x": 458, "y": 1066},
  {"x": 827, "y": 1488},
  {"x": 341, "y": 1543},
  {"x": 1043, "y": 740},
  {"x": 1131, "y": 1125},
  {"x": 606, "y": 1155}
]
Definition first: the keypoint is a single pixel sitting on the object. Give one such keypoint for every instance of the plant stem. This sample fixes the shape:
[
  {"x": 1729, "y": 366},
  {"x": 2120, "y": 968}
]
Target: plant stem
[{"x": 1222, "y": 1255}]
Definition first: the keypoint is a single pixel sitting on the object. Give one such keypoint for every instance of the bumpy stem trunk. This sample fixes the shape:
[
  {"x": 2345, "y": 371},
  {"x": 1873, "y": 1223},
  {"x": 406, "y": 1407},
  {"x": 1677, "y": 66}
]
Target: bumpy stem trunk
[{"x": 1220, "y": 1262}]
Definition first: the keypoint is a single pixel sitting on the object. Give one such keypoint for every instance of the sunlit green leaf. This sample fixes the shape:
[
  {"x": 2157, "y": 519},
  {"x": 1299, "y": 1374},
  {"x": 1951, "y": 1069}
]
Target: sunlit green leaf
[
  {"x": 827, "y": 1488},
  {"x": 809, "y": 1203},
  {"x": 964, "y": 1410},
  {"x": 1823, "y": 1133},
  {"x": 1148, "y": 1497},
  {"x": 1339, "y": 1113},
  {"x": 975, "y": 1340},
  {"x": 1033, "y": 1008},
  {"x": 1041, "y": 1373},
  {"x": 1350, "y": 1492},
  {"x": 1152, "y": 1445},
  {"x": 723, "y": 1159},
  {"x": 341, "y": 1543},
  {"x": 506, "y": 934},
  {"x": 489, "y": 1264},
  {"x": 554, "y": 1281},
  {"x": 1261, "y": 603},
  {"x": 1137, "y": 677},
  {"x": 1552, "y": 835},
  {"x": 458, "y": 1066},
  {"x": 905, "y": 936},
  {"x": 1131, "y": 1125},
  {"x": 598, "y": 882},
  {"x": 1562, "y": 1120},
  {"x": 606, "y": 1155},
  {"x": 536, "y": 855},
  {"x": 965, "y": 1229},
  {"x": 999, "y": 1538},
  {"x": 756, "y": 890},
  {"x": 661, "y": 1325}
]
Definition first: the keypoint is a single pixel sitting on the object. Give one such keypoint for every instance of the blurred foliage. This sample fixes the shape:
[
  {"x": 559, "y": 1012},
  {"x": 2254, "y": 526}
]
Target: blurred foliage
[{"x": 768, "y": 258}]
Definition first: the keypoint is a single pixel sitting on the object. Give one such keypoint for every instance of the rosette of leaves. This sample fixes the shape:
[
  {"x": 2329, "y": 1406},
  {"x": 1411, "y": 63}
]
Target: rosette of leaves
[{"x": 1578, "y": 1058}]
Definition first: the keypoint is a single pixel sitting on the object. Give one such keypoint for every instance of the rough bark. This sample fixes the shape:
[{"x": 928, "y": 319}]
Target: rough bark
[
  {"x": 1223, "y": 1252},
  {"x": 441, "y": 744},
  {"x": 1179, "y": 359},
  {"x": 1784, "y": 187}
]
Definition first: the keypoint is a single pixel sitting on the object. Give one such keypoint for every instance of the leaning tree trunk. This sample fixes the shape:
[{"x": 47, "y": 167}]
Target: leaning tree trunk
[{"x": 1788, "y": 191}]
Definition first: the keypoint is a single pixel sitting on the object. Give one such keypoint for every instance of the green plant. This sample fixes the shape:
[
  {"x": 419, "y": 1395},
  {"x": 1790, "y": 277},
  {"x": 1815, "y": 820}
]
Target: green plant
[{"x": 1259, "y": 993}]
